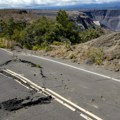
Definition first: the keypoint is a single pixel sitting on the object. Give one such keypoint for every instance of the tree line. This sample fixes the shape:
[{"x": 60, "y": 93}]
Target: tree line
[{"x": 43, "y": 31}]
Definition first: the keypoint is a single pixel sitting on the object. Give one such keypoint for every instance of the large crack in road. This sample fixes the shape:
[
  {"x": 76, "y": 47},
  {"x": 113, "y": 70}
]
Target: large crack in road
[
  {"x": 19, "y": 103},
  {"x": 16, "y": 59},
  {"x": 16, "y": 103},
  {"x": 22, "y": 61}
]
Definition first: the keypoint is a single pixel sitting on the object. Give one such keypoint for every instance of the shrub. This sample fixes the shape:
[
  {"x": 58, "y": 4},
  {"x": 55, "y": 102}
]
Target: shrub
[
  {"x": 36, "y": 47},
  {"x": 89, "y": 34},
  {"x": 2, "y": 46},
  {"x": 48, "y": 48},
  {"x": 56, "y": 43},
  {"x": 96, "y": 55},
  {"x": 71, "y": 56}
]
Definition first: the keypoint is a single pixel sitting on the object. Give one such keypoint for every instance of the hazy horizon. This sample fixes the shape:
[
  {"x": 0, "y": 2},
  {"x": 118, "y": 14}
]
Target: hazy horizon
[{"x": 54, "y": 3}]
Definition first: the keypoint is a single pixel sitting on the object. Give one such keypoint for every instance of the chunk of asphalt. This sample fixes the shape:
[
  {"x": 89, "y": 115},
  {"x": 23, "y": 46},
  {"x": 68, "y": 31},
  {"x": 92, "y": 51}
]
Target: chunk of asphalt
[
  {"x": 26, "y": 103},
  {"x": 16, "y": 104},
  {"x": 11, "y": 105}
]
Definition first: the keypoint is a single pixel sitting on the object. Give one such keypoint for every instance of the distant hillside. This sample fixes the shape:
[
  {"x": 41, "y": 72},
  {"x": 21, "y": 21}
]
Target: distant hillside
[{"x": 107, "y": 18}]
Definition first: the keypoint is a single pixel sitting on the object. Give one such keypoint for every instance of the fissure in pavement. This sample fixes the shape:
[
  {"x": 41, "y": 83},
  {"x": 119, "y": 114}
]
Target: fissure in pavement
[
  {"x": 22, "y": 61},
  {"x": 19, "y": 103}
]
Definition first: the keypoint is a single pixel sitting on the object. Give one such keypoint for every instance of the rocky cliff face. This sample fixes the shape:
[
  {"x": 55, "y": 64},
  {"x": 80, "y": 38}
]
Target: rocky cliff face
[
  {"x": 108, "y": 18},
  {"x": 82, "y": 21}
]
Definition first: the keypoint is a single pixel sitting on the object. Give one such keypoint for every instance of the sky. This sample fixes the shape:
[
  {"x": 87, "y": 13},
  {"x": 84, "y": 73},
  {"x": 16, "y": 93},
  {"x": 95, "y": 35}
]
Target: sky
[{"x": 25, "y": 3}]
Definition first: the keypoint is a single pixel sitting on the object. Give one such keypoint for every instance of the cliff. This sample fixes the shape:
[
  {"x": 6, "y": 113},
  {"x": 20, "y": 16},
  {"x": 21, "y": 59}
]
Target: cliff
[
  {"x": 107, "y": 18},
  {"x": 82, "y": 21}
]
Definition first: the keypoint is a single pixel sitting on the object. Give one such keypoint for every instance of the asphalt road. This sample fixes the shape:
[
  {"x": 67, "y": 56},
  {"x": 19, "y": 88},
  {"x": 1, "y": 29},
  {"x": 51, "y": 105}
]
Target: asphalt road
[
  {"x": 93, "y": 92},
  {"x": 10, "y": 89}
]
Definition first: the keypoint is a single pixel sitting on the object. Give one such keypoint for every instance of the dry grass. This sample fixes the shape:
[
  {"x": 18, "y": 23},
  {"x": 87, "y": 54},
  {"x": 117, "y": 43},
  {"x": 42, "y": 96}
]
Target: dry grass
[
  {"x": 103, "y": 51},
  {"x": 6, "y": 43}
]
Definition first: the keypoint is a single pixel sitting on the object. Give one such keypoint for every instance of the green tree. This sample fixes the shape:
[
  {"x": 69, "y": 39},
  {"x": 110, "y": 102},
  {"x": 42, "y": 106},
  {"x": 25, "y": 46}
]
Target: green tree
[
  {"x": 89, "y": 34},
  {"x": 62, "y": 18},
  {"x": 2, "y": 28},
  {"x": 68, "y": 28},
  {"x": 10, "y": 24},
  {"x": 37, "y": 33}
]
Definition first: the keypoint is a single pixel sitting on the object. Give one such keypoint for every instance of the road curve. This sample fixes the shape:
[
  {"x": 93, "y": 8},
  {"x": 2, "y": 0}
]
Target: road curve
[{"x": 96, "y": 93}]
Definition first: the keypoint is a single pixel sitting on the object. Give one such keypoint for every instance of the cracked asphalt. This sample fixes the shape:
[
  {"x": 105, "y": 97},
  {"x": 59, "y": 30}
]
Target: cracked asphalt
[
  {"x": 99, "y": 95},
  {"x": 10, "y": 89}
]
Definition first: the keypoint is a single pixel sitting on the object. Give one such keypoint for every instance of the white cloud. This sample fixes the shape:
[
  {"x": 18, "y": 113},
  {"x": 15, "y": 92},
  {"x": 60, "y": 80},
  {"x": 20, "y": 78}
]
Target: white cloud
[{"x": 20, "y": 3}]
